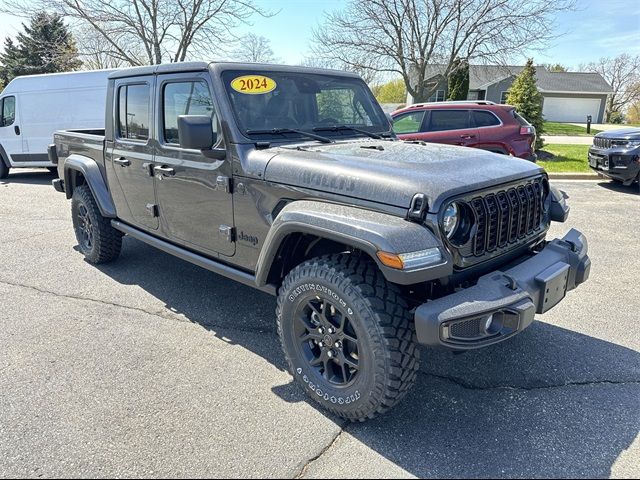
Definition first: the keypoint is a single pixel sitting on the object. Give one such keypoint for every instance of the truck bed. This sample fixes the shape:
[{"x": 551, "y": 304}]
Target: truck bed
[{"x": 85, "y": 142}]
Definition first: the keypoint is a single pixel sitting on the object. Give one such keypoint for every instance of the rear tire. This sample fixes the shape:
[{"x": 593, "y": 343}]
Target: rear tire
[
  {"x": 97, "y": 239},
  {"x": 4, "y": 170},
  {"x": 343, "y": 304}
]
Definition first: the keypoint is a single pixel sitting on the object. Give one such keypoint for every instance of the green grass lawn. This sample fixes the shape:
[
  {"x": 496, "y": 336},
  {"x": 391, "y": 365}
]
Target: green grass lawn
[
  {"x": 566, "y": 158},
  {"x": 556, "y": 128}
]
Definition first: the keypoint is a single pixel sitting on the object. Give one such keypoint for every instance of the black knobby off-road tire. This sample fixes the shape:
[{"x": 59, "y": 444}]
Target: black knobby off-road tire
[
  {"x": 97, "y": 239},
  {"x": 387, "y": 353}
]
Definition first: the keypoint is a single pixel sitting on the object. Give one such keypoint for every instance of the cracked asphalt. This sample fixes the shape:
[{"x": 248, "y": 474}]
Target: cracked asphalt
[{"x": 153, "y": 367}]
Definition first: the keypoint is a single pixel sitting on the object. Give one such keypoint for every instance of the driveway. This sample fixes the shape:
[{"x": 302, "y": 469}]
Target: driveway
[
  {"x": 153, "y": 367},
  {"x": 602, "y": 126},
  {"x": 567, "y": 139}
]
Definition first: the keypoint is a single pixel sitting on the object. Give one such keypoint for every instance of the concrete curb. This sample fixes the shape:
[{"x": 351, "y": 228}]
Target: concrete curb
[{"x": 573, "y": 176}]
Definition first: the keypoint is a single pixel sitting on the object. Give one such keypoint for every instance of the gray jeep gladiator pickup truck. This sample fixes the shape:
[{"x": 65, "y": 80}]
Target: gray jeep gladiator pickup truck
[{"x": 290, "y": 180}]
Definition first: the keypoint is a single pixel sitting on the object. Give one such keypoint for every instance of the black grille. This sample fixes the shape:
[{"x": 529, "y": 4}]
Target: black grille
[
  {"x": 467, "y": 329},
  {"x": 507, "y": 216},
  {"x": 602, "y": 142}
]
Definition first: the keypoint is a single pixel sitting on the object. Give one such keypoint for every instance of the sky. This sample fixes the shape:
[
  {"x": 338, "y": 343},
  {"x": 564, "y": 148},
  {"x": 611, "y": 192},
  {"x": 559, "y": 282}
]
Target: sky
[{"x": 598, "y": 28}]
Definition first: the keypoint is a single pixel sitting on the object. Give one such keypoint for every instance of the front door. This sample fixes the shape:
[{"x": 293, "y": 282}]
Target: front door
[
  {"x": 194, "y": 192},
  {"x": 10, "y": 134},
  {"x": 131, "y": 159}
]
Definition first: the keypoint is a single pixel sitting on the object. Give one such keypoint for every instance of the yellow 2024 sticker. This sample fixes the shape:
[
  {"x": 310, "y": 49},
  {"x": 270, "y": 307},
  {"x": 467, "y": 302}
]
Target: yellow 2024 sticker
[{"x": 253, "y": 84}]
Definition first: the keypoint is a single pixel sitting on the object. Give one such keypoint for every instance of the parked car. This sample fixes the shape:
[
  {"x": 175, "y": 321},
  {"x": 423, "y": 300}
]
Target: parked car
[
  {"x": 616, "y": 155},
  {"x": 289, "y": 180},
  {"x": 33, "y": 107},
  {"x": 479, "y": 124}
]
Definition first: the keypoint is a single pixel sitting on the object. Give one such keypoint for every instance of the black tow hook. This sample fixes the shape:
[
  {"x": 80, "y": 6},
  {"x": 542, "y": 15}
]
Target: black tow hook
[{"x": 511, "y": 282}]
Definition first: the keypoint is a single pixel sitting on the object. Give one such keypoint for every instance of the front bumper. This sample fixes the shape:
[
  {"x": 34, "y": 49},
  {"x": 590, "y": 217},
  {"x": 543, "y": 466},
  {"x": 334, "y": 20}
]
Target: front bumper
[
  {"x": 621, "y": 165},
  {"x": 503, "y": 303}
]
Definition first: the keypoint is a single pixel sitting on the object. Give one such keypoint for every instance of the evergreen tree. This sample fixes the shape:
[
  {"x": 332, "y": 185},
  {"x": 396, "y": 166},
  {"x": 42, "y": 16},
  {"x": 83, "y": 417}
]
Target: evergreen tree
[
  {"x": 45, "y": 46},
  {"x": 524, "y": 95},
  {"x": 459, "y": 80}
]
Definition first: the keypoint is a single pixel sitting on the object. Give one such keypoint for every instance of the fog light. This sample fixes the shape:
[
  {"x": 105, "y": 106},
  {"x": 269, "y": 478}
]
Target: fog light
[{"x": 488, "y": 323}]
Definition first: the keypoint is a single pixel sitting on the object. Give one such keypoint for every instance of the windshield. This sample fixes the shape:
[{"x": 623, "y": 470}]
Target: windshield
[{"x": 274, "y": 104}]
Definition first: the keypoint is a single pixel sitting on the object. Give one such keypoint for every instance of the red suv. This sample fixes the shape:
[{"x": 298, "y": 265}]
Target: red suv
[{"x": 478, "y": 124}]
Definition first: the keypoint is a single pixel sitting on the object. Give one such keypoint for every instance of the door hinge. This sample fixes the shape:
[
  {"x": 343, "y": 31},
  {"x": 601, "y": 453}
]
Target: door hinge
[
  {"x": 228, "y": 232},
  {"x": 153, "y": 209},
  {"x": 224, "y": 184}
]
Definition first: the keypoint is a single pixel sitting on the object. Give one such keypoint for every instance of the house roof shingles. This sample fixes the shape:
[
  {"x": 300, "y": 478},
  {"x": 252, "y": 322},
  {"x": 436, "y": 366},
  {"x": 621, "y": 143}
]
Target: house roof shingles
[{"x": 481, "y": 76}]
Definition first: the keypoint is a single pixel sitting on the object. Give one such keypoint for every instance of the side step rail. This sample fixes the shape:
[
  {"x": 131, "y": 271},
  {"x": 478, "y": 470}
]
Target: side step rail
[{"x": 202, "y": 261}]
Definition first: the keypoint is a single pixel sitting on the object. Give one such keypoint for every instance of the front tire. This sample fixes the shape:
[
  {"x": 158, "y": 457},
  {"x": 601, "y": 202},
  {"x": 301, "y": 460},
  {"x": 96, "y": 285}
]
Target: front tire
[
  {"x": 347, "y": 335},
  {"x": 4, "y": 170},
  {"x": 97, "y": 239}
]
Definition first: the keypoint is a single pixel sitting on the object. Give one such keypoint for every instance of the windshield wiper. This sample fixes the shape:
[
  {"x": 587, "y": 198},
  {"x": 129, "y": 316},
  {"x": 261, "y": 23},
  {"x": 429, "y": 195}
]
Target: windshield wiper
[
  {"x": 335, "y": 128},
  {"x": 278, "y": 131}
]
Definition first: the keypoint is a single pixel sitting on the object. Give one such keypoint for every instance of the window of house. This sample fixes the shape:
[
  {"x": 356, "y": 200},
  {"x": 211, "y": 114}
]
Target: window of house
[
  {"x": 448, "y": 120},
  {"x": 473, "y": 95},
  {"x": 503, "y": 97},
  {"x": 184, "y": 98},
  {"x": 485, "y": 119},
  {"x": 438, "y": 96},
  {"x": 133, "y": 112},
  {"x": 7, "y": 111},
  {"x": 408, "y": 122}
]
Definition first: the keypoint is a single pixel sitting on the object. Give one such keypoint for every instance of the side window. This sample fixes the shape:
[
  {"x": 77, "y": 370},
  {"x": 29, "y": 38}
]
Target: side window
[
  {"x": 408, "y": 122},
  {"x": 485, "y": 119},
  {"x": 133, "y": 112},
  {"x": 448, "y": 120},
  {"x": 7, "y": 111},
  {"x": 184, "y": 98}
]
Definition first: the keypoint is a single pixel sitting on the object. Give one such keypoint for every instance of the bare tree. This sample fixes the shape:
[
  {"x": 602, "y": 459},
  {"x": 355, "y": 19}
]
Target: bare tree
[
  {"x": 254, "y": 48},
  {"x": 164, "y": 30},
  {"x": 96, "y": 54},
  {"x": 623, "y": 74},
  {"x": 371, "y": 77},
  {"x": 405, "y": 36}
]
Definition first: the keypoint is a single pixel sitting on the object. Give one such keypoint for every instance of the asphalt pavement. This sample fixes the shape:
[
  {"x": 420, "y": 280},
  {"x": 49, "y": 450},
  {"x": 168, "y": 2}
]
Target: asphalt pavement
[{"x": 150, "y": 366}]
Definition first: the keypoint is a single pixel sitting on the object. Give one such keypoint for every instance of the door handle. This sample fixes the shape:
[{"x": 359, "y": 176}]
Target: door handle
[
  {"x": 16, "y": 129},
  {"x": 166, "y": 171},
  {"x": 467, "y": 136},
  {"x": 123, "y": 162}
]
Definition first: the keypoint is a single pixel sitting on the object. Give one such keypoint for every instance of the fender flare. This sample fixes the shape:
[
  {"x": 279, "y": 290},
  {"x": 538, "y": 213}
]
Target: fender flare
[
  {"x": 93, "y": 176},
  {"x": 365, "y": 230}
]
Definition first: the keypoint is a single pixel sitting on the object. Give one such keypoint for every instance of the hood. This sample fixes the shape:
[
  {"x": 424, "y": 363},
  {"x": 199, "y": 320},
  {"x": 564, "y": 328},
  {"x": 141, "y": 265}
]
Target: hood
[
  {"x": 392, "y": 172},
  {"x": 630, "y": 133}
]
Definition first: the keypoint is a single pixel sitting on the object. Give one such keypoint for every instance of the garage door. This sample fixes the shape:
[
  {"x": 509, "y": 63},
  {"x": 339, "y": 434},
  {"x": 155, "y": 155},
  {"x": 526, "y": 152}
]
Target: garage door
[{"x": 561, "y": 109}]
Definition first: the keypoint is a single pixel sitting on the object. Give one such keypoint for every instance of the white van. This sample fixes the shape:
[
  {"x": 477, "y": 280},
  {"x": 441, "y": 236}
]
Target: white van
[{"x": 33, "y": 107}]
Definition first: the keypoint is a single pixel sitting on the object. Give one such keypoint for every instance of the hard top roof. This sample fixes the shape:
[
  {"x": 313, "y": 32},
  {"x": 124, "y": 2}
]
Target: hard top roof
[{"x": 218, "y": 67}]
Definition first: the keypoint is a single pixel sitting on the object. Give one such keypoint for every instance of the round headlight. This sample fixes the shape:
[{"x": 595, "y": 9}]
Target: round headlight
[{"x": 450, "y": 219}]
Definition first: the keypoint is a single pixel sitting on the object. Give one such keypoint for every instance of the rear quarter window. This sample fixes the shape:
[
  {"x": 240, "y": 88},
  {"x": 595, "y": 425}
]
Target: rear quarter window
[
  {"x": 519, "y": 118},
  {"x": 485, "y": 119}
]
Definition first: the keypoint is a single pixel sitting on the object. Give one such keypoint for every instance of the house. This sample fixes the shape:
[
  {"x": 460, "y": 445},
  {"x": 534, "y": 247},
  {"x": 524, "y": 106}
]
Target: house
[{"x": 567, "y": 96}]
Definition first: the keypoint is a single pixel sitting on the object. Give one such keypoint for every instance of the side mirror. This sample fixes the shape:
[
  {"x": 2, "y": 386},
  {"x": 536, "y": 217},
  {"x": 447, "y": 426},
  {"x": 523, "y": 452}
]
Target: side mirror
[{"x": 195, "y": 132}]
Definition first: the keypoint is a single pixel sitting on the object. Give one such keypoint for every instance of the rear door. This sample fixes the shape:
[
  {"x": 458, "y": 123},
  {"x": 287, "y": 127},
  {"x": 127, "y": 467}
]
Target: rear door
[
  {"x": 131, "y": 161},
  {"x": 194, "y": 192},
  {"x": 10, "y": 134},
  {"x": 451, "y": 126},
  {"x": 492, "y": 133}
]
